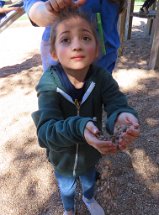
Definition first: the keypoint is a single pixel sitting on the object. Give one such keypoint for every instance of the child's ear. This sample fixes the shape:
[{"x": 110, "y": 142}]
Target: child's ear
[{"x": 53, "y": 54}]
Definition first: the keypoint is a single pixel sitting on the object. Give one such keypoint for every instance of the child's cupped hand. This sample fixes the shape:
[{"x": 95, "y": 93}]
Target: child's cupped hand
[
  {"x": 131, "y": 132},
  {"x": 91, "y": 136},
  {"x": 127, "y": 135}
]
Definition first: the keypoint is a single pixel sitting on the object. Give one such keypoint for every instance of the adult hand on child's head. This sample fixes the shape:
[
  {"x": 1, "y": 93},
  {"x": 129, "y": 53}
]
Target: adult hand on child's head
[
  {"x": 132, "y": 130},
  {"x": 91, "y": 136},
  {"x": 44, "y": 13},
  {"x": 57, "y": 5},
  {"x": 75, "y": 3}
]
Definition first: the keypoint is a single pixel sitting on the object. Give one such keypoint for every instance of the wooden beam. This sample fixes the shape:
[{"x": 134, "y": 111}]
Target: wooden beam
[
  {"x": 154, "y": 54},
  {"x": 129, "y": 18},
  {"x": 121, "y": 30},
  {"x": 150, "y": 15}
]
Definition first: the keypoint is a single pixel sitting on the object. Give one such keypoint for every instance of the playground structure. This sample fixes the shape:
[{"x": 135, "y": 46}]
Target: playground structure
[
  {"x": 125, "y": 27},
  {"x": 11, "y": 17}
]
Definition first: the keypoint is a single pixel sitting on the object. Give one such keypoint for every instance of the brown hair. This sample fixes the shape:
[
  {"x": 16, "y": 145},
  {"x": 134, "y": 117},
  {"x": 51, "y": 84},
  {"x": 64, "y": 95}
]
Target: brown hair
[
  {"x": 67, "y": 14},
  {"x": 122, "y": 4}
]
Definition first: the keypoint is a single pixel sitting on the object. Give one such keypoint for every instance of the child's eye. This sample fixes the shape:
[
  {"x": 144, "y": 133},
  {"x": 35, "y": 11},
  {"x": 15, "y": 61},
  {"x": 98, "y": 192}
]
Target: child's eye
[
  {"x": 65, "y": 41},
  {"x": 86, "y": 38}
]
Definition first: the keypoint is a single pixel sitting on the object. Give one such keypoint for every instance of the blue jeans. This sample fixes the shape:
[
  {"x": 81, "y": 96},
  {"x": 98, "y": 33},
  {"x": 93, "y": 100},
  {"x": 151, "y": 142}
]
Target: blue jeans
[{"x": 67, "y": 186}]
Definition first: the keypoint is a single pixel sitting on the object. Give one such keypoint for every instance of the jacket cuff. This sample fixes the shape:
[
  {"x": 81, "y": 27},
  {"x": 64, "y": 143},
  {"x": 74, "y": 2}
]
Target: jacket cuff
[
  {"x": 112, "y": 119},
  {"x": 83, "y": 125}
]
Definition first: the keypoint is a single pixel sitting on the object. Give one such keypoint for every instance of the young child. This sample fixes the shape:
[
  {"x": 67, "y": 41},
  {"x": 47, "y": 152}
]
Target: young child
[
  {"x": 70, "y": 96},
  {"x": 43, "y": 13}
]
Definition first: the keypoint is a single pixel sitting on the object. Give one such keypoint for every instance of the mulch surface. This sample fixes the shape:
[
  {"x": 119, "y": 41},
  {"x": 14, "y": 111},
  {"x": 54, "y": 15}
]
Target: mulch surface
[{"x": 129, "y": 183}]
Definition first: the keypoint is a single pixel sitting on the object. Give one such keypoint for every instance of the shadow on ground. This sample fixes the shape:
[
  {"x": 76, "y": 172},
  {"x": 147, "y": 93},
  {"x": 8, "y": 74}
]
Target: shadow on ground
[
  {"x": 129, "y": 181},
  {"x": 18, "y": 68}
]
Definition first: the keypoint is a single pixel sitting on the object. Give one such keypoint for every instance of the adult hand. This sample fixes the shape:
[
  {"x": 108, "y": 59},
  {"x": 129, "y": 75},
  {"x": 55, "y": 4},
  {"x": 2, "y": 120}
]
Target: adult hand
[
  {"x": 90, "y": 134},
  {"x": 44, "y": 13},
  {"x": 132, "y": 131},
  {"x": 56, "y": 6}
]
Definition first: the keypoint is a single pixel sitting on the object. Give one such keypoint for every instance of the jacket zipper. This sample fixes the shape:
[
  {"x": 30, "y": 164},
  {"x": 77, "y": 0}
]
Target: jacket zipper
[{"x": 77, "y": 104}]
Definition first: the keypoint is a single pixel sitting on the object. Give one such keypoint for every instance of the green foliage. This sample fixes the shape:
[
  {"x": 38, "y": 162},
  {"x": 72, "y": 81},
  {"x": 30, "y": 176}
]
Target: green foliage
[{"x": 138, "y": 4}]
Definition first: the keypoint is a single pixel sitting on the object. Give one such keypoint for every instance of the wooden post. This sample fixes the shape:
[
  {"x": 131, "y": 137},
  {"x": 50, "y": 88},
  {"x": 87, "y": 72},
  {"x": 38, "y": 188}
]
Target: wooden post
[
  {"x": 121, "y": 29},
  {"x": 154, "y": 55},
  {"x": 149, "y": 29},
  {"x": 129, "y": 18}
]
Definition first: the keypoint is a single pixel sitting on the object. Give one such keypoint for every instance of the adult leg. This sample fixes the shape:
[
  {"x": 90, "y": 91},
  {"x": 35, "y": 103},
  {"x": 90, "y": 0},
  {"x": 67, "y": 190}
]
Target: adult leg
[
  {"x": 150, "y": 3},
  {"x": 46, "y": 57},
  {"x": 147, "y": 4}
]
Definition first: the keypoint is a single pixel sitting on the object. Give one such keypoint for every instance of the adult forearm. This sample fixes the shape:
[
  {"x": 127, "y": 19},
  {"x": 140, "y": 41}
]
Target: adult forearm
[
  {"x": 40, "y": 14},
  {"x": 5, "y": 10},
  {"x": 44, "y": 13}
]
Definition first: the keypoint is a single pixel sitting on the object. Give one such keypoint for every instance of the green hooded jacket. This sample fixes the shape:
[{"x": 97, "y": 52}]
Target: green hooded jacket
[{"x": 60, "y": 121}]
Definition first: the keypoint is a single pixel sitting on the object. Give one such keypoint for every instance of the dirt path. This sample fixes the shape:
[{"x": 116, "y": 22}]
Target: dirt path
[{"x": 130, "y": 180}]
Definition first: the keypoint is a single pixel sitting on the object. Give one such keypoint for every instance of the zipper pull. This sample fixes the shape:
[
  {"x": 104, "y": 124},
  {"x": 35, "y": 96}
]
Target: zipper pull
[{"x": 77, "y": 104}]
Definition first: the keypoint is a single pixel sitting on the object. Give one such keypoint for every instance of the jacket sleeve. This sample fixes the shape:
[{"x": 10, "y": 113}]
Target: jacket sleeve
[
  {"x": 115, "y": 102},
  {"x": 53, "y": 131}
]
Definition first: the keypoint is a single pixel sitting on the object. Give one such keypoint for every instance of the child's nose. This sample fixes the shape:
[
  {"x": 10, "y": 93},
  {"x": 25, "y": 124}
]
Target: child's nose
[{"x": 76, "y": 45}]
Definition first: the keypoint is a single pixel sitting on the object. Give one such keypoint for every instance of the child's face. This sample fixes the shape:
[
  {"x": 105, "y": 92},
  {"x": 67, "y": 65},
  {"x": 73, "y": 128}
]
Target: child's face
[{"x": 75, "y": 44}]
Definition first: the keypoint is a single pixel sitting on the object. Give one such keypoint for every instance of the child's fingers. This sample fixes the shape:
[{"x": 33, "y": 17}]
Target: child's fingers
[
  {"x": 57, "y": 5},
  {"x": 92, "y": 128},
  {"x": 127, "y": 138},
  {"x": 133, "y": 131},
  {"x": 131, "y": 120},
  {"x": 78, "y": 3},
  {"x": 106, "y": 147}
]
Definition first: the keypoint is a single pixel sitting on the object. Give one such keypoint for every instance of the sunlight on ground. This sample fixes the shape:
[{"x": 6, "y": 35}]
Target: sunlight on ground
[
  {"x": 152, "y": 121},
  {"x": 140, "y": 155},
  {"x": 5, "y": 163},
  {"x": 19, "y": 44},
  {"x": 18, "y": 117},
  {"x": 143, "y": 162},
  {"x": 137, "y": 27},
  {"x": 128, "y": 79}
]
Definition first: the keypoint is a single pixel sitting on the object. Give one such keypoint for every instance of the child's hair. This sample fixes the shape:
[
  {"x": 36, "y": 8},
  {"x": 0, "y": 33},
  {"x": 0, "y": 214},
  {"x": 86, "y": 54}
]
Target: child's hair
[
  {"x": 122, "y": 4},
  {"x": 67, "y": 14}
]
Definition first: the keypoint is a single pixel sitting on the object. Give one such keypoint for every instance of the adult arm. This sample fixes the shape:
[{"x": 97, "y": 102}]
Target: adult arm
[
  {"x": 44, "y": 13},
  {"x": 8, "y": 9}
]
